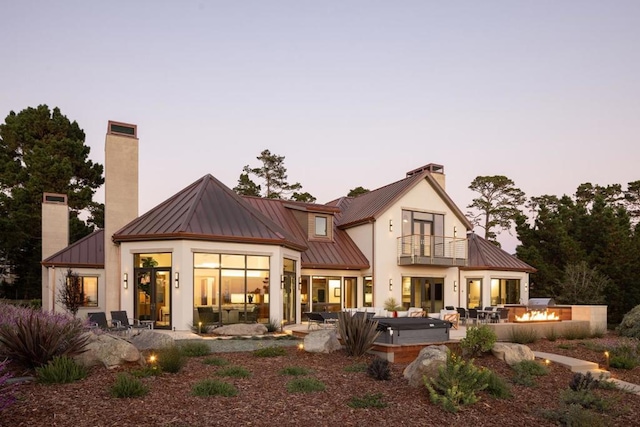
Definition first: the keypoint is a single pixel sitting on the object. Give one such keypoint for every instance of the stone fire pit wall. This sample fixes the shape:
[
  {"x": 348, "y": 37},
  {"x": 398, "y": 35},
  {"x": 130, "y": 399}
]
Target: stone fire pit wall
[{"x": 503, "y": 330}]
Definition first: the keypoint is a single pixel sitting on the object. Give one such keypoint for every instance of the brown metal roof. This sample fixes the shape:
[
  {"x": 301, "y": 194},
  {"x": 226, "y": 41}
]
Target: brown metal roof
[
  {"x": 341, "y": 253},
  {"x": 367, "y": 207},
  {"x": 484, "y": 255},
  {"x": 86, "y": 252},
  {"x": 207, "y": 210}
]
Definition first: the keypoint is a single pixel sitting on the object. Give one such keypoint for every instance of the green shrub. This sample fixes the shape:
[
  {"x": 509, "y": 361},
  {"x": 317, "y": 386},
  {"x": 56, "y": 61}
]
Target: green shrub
[
  {"x": 170, "y": 359},
  {"x": 294, "y": 371},
  {"x": 523, "y": 335},
  {"x": 305, "y": 385},
  {"x": 357, "y": 332},
  {"x": 195, "y": 349},
  {"x": 479, "y": 340},
  {"x": 624, "y": 356},
  {"x": 379, "y": 369},
  {"x": 573, "y": 416},
  {"x": 147, "y": 371},
  {"x": 526, "y": 370},
  {"x": 456, "y": 384},
  {"x": 566, "y": 346},
  {"x": 126, "y": 386},
  {"x": 60, "y": 370},
  {"x": 585, "y": 398},
  {"x": 594, "y": 345},
  {"x": 552, "y": 334},
  {"x": 33, "y": 338},
  {"x": 356, "y": 367},
  {"x": 369, "y": 400},
  {"x": 270, "y": 352},
  {"x": 272, "y": 325},
  {"x": 234, "y": 371},
  {"x": 577, "y": 332},
  {"x": 630, "y": 325},
  {"x": 213, "y": 388},
  {"x": 497, "y": 386},
  {"x": 598, "y": 333},
  {"x": 215, "y": 361}
]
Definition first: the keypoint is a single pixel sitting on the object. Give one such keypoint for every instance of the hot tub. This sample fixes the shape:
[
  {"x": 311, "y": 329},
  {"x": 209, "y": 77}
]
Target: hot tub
[{"x": 412, "y": 330}]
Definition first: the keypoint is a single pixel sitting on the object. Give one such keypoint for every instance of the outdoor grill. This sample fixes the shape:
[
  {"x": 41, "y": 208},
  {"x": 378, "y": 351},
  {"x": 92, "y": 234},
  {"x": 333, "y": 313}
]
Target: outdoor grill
[{"x": 540, "y": 304}]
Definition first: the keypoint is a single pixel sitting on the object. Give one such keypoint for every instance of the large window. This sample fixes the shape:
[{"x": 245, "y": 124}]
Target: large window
[
  {"x": 474, "y": 291},
  {"x": 368, "y": 292},
  {"x": 89, "y": 287},
  {"x": 234, "y": 287},
  {"x": 505, "y": 291},
  {"x": 321, "y": 226}
]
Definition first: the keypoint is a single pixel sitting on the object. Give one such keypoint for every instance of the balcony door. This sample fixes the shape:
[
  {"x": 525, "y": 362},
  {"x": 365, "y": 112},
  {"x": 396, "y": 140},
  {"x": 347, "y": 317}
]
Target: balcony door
[{"x": 423, "y": 230}]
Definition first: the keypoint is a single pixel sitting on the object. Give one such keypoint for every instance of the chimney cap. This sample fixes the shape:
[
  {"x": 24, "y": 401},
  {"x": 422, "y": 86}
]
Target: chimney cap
[
  {"x": 122, "y": 129},
  {"x": 431, "y": 167}
]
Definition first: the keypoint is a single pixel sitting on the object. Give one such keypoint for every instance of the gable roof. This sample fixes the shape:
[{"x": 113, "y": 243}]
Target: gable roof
[
  {"x": 369, "y": 206},
  {"x": 484, "y": 255},
  {"x": 340, "y": 253},
  {"x": 207, "y": 210},
  {"x": 87, "y": 252}
]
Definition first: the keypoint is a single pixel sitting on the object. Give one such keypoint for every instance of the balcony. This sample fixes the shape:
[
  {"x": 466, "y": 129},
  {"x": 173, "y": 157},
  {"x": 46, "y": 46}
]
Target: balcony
[{"x": 419, "y": 249}]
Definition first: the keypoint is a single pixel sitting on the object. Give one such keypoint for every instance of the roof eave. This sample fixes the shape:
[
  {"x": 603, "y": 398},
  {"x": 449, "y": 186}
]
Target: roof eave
[
  {"x": 209, "y": 237},
  {"x": 522, "y": 270}
]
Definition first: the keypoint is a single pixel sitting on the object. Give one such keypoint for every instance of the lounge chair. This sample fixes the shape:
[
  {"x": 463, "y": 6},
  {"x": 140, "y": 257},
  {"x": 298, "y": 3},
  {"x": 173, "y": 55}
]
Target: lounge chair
[
  {"x": 207, "y": 316},
  {"x": 121, "y": 316},
  {"x": 99, "y": 320}
]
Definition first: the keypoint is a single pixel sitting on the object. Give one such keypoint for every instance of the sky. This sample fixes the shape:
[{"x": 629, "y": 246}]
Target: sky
[{"x": 352, "y": 93}]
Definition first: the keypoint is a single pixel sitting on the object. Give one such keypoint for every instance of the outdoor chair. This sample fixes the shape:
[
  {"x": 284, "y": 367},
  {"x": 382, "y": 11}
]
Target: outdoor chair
[
  {"x": 464, "y": 316},
  {"x": 121, "y": 316},
  {"x": 503, "y": 315},
  {"x": 99, "y": 320},
  {"x": 475, "y": 316},
  {"x": 207, "y": 316},
  {"x": 314, "y": 319}
]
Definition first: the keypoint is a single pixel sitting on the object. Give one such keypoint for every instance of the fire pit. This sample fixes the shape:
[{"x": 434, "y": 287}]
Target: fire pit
[{"x": 538, "y": 311}]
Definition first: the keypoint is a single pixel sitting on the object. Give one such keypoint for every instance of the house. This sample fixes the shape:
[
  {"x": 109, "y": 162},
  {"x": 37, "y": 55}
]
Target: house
[{"x": 208, "y": 250}]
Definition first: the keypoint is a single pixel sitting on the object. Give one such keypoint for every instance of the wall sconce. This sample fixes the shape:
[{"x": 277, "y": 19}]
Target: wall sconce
[
  {"x": 176, "y": 279},
  {"x": 455, "y": 231},
  {"x": 299, "y": 283},
  {"x": 526, "y": 286},
  {"x": 390, "y": 225},
  {"x": 390, "y": 285},
  {"x": 455, "y": 286},
  {"x": 125, "y": 280},
  {"x": 281, "y": 282}
]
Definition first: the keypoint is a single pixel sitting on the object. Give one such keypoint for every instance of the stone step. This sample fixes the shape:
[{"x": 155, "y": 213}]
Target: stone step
[
  {"x": 575, "y": 365},
  {"x": 628, "y": 387}
]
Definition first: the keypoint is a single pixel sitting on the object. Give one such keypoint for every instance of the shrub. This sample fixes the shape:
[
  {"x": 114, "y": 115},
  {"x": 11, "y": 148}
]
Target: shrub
[
  {"x": 32, "y": 338},
  {"x": 294, "y": 371},
  {"x": 234, "y": 371},
  {"x": 566, "y": 346},
  {"x": 523, "y": 335},
  {"x": 552, "y": 334},
  {"x": 305, "y": 385},
  {"x": 630, "y": 325},
  {"x": 357, "y": 332},
  {"x": 582, "y": 381},
  {"x": 60, "y": 370},
  {"x": 369, "y": 400},
  {"x": 379, "y": 369},
  {"x": 573, "y": 415},
  {"x": 456, "y": 383},
  {"x": 270, "y": 352},
  {"x": 126, "y": 386},
  {"x": 272, "y": 325},
  {"x": 215, "y": 361},
  {"x": 624, "y": 356},
  {"x": 195, "y": 349},
  {"x": 479, "y": 340},
  {"x": 147, "y": 371},
  {"x": 170, "y": 359},
  {"x": 356, "y": 367},
  {"x": 497, "y": 386},
  {"x": 213, "y": 388},
  {"x": 526, "y": 370},
  {"x": 577, "y": 332},
  {"x": 585, "y": 398},
  {"x": 7, "y": 390}
]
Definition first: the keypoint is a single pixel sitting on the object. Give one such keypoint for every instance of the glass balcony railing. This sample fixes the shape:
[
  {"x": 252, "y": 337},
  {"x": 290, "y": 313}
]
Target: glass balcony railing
[{"x": 432, "y": 250}]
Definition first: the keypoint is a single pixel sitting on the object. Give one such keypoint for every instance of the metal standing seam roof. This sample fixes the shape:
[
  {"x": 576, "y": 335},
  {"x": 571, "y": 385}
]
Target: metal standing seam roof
[
  {"x": 369, "y": 206},
  {"x": 87, "y": 252},
  {"x": 207, "y": 210},
  {"x": 339, "y": 253},
  {"x": 484, "y": 255}
]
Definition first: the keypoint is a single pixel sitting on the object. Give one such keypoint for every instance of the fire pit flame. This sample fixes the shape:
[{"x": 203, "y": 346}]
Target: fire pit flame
[{"x": 538, "y": 316}]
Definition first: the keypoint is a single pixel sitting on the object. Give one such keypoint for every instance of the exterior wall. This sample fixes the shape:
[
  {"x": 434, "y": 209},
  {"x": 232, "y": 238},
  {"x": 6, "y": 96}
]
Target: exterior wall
[
  {"x": 362, "y": 236},
  {"x": 121, "y": 205},
  {"x": 58, "y": 276},
  {"x": 595, "y": 314},
  {"x": 55, "y": 237},
  {"x": 486, "y": 276},
  {"x": 182, "y": 262}
]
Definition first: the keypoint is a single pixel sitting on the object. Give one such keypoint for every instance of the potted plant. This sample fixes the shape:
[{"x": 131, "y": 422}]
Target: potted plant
[{"x": 391, "y": 305}]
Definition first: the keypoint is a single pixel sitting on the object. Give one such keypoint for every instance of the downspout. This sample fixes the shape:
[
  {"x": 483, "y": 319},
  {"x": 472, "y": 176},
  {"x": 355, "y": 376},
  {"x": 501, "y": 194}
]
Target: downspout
[{"x": 373, "y": 264}]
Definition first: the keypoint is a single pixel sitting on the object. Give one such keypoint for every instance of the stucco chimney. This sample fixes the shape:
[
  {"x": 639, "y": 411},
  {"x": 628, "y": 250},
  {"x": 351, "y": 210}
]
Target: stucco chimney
[
  {"x": 121, "y": 199},
  {"x": 55, "y": 237},
  {"x": 436, "y": 171}
]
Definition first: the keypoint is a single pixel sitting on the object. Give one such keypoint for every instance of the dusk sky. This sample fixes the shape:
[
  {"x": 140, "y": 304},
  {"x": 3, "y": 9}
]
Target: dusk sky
[{"x": 352, "y": 93}]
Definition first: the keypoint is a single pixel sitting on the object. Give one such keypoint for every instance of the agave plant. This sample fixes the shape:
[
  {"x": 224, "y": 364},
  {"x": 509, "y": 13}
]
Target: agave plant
[{"x": 357, "y": 332}]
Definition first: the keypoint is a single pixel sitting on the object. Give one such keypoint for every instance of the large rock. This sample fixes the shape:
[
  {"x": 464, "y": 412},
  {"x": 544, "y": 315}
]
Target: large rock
[
  {"x": 426, "y": 364},
  {"x": 147, "y": 339},
  {"x": 241, "y": 329},
  {"x": 512, "y": 353},
  {"x": 109, "y": 351},
  {"x": 322, "y": 341}
]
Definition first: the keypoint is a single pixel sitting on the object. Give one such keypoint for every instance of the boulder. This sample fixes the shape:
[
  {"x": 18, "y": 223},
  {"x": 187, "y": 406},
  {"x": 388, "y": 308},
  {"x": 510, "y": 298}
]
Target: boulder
[
  {"x": 512, "y": 353},
  {"x": 147, "y": 339},
  {"x": 426, "y": 364},
  {"x": 241, "y": 329},
  {"x": 109, "y": 351},
  {"x": 322, "y": 341}
]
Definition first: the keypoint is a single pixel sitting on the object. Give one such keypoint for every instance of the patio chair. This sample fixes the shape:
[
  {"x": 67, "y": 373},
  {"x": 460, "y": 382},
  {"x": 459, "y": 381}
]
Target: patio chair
[
  {"x": 207, "y": 316},
  {"x": 503, "y": 315},
  {"x": 314, "y": 319},
  {"x": 464, "y": 316},
  {"x": 121, "y": 316},
  {"x": 99, "y": 320},
  {"x": 475, "y": 316}
]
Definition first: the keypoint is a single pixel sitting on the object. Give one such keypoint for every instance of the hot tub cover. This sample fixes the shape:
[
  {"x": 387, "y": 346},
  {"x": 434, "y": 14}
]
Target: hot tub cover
[{"x": 410, "y": 323}]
